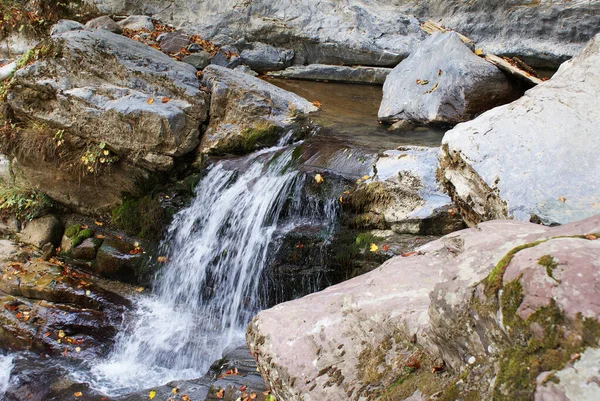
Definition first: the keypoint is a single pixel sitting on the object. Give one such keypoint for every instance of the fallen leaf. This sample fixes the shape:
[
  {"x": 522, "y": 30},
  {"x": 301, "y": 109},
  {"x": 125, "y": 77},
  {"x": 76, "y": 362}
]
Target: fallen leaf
[
  {"x": 418, "y": 82},
  {"x": 98, "y": 223},
  {"x": 165, "y": 100},
  {"x": 185, "y": 397},
  {"x": 319, "y": 178},
  {"x": 78, "y": 394},
  {"x": 150, "y": 100},
  {"x": 424, "y": 82},
  {"x": 591, "y": 237},
  {"x": 373, "y": 248},
  {"x": 77, "y": 349},
  {"x": 365, "y": 177},
  {"x": 175, "y": 390},
  {"x": 404, "y": 255},
  {"x": 47, "y": 334},
  {"x": 253, "y": 396},
  {"x": 65, "y": 352},
  {"x": 439, "y": 72},
  {"x": 242, "y": 389},
  {"x": 152, "y": 394},
  {"x": 385, "y": 247},
  {"x": 99, "y": 236},
  {"x": 88, "y": 293},
  {"x": 562, "y": 199},
  {"x": 140, "y": 289},
  {"x": 220, "y": 393},
  {"x": 478, "y": 52},
  {"x": 61, "y": 334},
  {"x": 19, "y": 315},
  {"x": 270, "y": 397},
  {"x": 341, "y": 199},
  {"x": 162, "y": 259},
  {"x": 317, "y": 103}
]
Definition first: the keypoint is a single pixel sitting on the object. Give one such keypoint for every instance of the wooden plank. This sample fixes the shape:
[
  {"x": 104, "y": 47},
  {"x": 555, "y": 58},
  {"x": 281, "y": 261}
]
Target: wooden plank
[
  {"x": 430, "y": 27},
  {"x": 511, "y": 69}
]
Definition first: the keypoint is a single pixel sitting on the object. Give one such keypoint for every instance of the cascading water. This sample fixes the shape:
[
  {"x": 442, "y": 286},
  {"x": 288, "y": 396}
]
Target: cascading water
[
  {"x": 209, "y": 290},
  {"x": 6, "y": 366}
]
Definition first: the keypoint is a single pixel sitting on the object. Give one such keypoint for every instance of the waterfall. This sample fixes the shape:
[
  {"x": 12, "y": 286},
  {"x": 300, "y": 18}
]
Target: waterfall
[
  {"x": 6, "y": 366},
  {"x": 208, "y": 291}
]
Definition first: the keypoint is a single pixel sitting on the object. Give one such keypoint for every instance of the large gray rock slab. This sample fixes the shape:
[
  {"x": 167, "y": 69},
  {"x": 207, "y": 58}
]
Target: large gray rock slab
[
  {"x": 247, "y": 112},
  {"x": 335, "y": 73},
  {"x": 352, "y": 340},
  {"x": 443, "y": 82},
  {"x": 65, "y": 25},
  {"x": 328, "y": 32},
  {"x": 544, "y": 33},
  {"x": 535, "y": 158},
  {"x": 103, "y": 89}
]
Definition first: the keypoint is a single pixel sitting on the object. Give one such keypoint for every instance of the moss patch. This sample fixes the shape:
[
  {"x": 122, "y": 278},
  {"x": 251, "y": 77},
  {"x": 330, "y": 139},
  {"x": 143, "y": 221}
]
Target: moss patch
[
  {"x": 369, "y": 196},
  {"x": 141, "y": 217},
  {"x": 548, "y": 262},
  {"x": 81, "y": 236},
  {"x": 263, "y": 134},
  {"x": 72, "y": 231}
]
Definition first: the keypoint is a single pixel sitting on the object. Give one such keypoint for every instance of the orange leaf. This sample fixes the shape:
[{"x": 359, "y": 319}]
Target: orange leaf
[
  {"x": 317, "y": 103},
  {"x": 162, "y": 259},
  {"x": 19, "y": 315},
  {"x": 78, "y": 394},
  {"x": 242, "y": 389},
  {"x": 98, "y": 223},
  {"x": 47, "y": 334},
  {"x": 220, "y": 393},
  {"x": 562, "y": 199},
  {"x": 385, "y": 247},
  {"x": 99, "y": 236},
  {"x": 150, "y": 100},
  {"x": 404, "y": 255},
  {"x": 165, "y": 100},
  {"x": 591, "y": 237}
]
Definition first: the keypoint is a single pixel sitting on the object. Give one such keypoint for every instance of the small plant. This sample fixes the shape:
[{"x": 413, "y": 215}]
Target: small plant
[
  {"x": 95, "y": 157},
  {"x": 22, "y": 203}
]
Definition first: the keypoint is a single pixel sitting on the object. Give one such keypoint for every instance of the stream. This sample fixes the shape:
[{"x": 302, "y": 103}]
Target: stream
[{"x": 219, "y": 247}]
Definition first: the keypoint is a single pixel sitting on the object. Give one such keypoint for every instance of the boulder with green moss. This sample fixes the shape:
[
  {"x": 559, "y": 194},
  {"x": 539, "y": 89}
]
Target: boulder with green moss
[
  {"x": 501, "y": 311},
  {"x": 247, "y": 113}
]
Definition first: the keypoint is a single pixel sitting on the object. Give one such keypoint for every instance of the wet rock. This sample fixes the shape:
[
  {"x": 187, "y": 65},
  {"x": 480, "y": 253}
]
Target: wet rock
[
  {"x": 247, "y": 113},
  {"x": 262, "y": 58},
  {"x": 87, "y": 249},
  {"x": 173, "y": 42},
  {"x": 65, "y": 25},
  {"x": 105, "y": 23},
  {"x": 335, "y": 73},
  {"x": 137, "y": 22},
  {"x": 103, "y": 85},
  {"x": 116, "y": 259},
  {"x": 246, "y": 70},
  {"x": 350, "y": 338},
  {"x": 198, "y": 60},
  {"x": 510, "y": 162},
  {"x": 42, "y": 230},
  {"x": 195, "y": 47},
  {"x": 443, "y": 82}
]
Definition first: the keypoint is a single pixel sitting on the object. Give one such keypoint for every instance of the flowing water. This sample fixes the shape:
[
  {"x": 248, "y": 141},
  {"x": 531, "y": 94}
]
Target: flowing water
[
  {"x": 209, "y": 290},
  {"x": 6, "y": 366}
]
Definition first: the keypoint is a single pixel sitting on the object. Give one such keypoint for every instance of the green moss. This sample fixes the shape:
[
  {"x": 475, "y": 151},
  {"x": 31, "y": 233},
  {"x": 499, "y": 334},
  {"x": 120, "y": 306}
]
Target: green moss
[
  {"x": 493, "y": 282},
  {"x": 81, "y": 236},
  {"x": 547, "y": 348},
  {"x": 548, "y": 262},
  {"x": 45, "y": 49},
  {"x": 262, "y": 135},
  {"x": 512, "y": 297},
  {"x": 142, "y": 217},
  {"x": 73, "y": 230}
]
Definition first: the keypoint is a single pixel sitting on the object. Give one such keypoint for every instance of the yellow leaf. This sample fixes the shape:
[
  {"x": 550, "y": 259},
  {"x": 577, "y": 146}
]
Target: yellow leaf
[
  {"x": 162, "y": 259},
  {"x": 174, "y": 390},
  {"x": 78, "y": 394},
  {"x": 341, "y": 199},
  {"x": 61, "y": 334},
  {"x": 478, "y": 52},
  {"x": 106, "y": 152},
  {"x": 365, "y": 177},
  {"x": 152, "y": 394},
  {"x": 98, "y": 223},
  {"x": 319, "y": 178},
  {"x": 78, "y": 349},
  {"x": 562, "y": 199},
  {"x": 140, "y": 289},
  {"x": 374, "y": 248},
  {"x": 150, "y": 100}
]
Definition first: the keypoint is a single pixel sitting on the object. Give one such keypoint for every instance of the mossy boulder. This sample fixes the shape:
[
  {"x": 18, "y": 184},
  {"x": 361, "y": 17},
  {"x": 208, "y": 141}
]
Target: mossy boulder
[
  {"x": 247, "y": 113},
  {"x": 355, "y": 340},
  {"x": 141, "y": 217},
  {"x": 119, "y": 260}
]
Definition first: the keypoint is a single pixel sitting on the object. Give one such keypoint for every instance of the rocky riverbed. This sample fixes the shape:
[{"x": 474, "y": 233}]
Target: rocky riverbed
[{"x": 168, "y": 171}]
